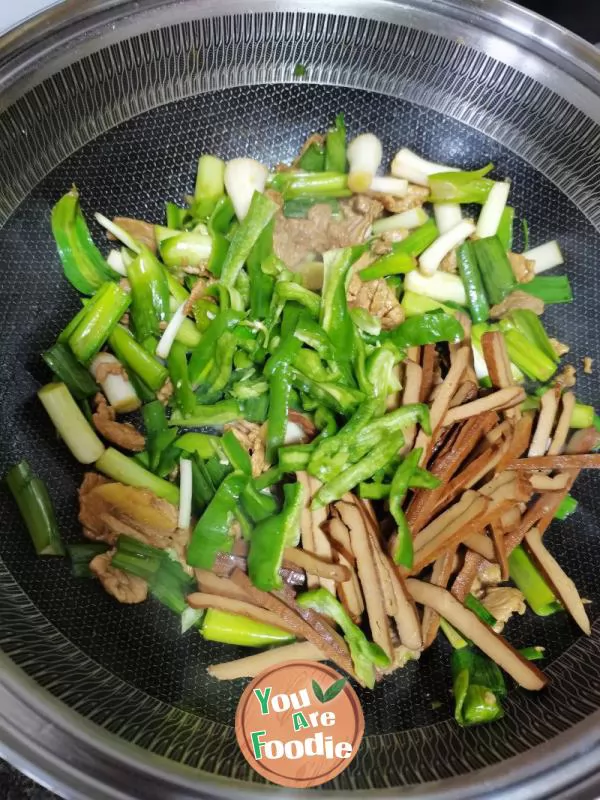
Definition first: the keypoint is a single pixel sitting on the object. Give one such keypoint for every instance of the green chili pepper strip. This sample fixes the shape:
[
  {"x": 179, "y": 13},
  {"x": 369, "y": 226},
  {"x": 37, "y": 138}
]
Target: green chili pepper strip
[
  {"x": 37, "y": 511},
  {"x": 478, "y": 687},
  {"x": 178, "y": 370},
  {"x": 149, "y": 294},
  {"x": 403, "y": 551},
  {"x": 468, "y": 270},
  {"x": 391, "y": 264},
  {"x": 261, "y": 212},
  {"x": 365, "y": 655},
  {"x": 204, "y": 354},
  {"x": 212, "y": 533},
  {"x": 261, "y": 284},
  {"x": 360, "y": 471},
  {"x": 335, "y": 318},
  {"x": 271, "y": 536},
  {"x": 83, "y": 264},
  {"x": 436, "y": 326},
  {"x": 217, "y": 414}
]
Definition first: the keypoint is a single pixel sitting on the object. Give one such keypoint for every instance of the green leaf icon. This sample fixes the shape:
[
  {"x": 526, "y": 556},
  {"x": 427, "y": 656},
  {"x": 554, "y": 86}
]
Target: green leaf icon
[
  {"x": 329, "y": 694},
  {"x": 318, "y": 692},
  {"x": 335, "y": 688}
]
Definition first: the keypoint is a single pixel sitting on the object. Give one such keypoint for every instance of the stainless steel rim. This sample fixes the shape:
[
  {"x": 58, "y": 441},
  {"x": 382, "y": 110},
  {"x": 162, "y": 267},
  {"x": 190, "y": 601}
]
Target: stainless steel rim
[{"x": 36, "y": 731}]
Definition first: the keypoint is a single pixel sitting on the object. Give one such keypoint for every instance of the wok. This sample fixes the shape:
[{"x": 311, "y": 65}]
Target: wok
[{"x": 103, "y": 700}]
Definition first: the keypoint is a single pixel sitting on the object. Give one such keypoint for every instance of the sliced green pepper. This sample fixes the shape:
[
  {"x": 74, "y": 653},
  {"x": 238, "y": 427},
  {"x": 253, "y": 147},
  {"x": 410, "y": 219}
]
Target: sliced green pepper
[
  {"x": 83, "y": 264},
  {"x": 271, "y": 537},
  {"x": 436, "y": 326},
  {"x": 212, "y": 533},
  {"x": 366, "y": 656},
  {"x": 403, "y": 551}
]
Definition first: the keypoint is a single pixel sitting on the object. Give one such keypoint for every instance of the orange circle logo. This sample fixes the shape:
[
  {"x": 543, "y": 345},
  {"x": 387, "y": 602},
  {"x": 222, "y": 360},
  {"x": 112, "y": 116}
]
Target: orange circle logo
[{"x": 299, "y": 724}]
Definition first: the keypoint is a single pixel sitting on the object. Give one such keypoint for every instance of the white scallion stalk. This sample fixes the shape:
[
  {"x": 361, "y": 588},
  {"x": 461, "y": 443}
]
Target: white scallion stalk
[
  {"x": 115, "y": 261},
  {"x": 189, "y": 617},
  {"x": 415, "y": 169},
  {"x": 386, "y": 184},
  {"x": 294, "y": 434},
  {"x": 430, "y": 259},
  {"x": 408, "y": 220},
  {"x": 364, "y": 157},
  {"x": 127, "y": 258},
  {"x": 72, "y": 426},
  {"x": 447, "y": 216},
  {"x": 118, "y": 232},
  {"x": 243, "y": 177},
  {"x": 493, "y": 208},
  {"x": 546, "y": 256},
  {"x": 479, "y": 364},
  {"x": 116, "y": 386},
  {"x": 165, "y": 343},
  {"x": 442, "y": 286},
  {"x": 185, "y": 493}
]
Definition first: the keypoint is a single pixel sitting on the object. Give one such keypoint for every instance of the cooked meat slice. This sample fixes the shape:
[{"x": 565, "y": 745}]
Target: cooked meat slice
[
  {"x": 120, "y": 433},
  {"x": 296, "y": 241},
  {"x": 383, "y": 245},
  {"x": 121, "y": 585},
  {"x": 108, "y": 509},
  {"x": 165, "y": 392},
  {"x": 502, "y": 602},
  {"x": 414, "y": 198},
  {"x": 198, "y": 291},
  {"x": 523, "y": 268},
  {"x": 142, "y": 232},
  {"x": 516, "y": 300},
  {"x": 567, "y": 378},
  {"x": 560, "y": 348},
  {"x": 449, "y": 262},
  {"x": 315, "y": 138},
  {"x": 252, "y": 438},
  {"x": 378, "y": 299}
]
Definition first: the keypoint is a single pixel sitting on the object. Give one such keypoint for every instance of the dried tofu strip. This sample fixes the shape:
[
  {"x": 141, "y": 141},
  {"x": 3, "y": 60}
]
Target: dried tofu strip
[
  {"x": 367, "y": 572},
  {"x": 563, "y": 585},
  {"x": 349, "y": 592},
  {"x": 440, "y": 575},
  {"x": 544, "y": 483},
  {"x": 460, "y": 443},
  {"x": 466, "y": 392},
  {"x": 503, "y": 398},
  {"x": 563, "y": 425},
  {"x": 470, "y": 626},
  {"x": 302, "y": 622},
  {"x": 545, "y": 423},
  {"x": 429, "y": 358},
  {"x": 251, "y": 666},
  {"x": 498, "y": 535},
  {"x": 322, "y": 546},
  {"x": 306, "y": 529},
  {"x": 520, "y": 439},
  {"x": 441, "y": 403},
  {"x": 315, "y": 565},
  {"x": 496, "y": 358},
  {"x": 568, "y": 462},
  {"x": 482, "y": 512},
  {"x": 213, "y": 584},
  {"x": 465, "y": 578},
  {"x": 543, "y": 507},
  {"x": 413, "y": 375},
  {"x": 470, "y": 475},
  {"x": 480, "y": 544}
]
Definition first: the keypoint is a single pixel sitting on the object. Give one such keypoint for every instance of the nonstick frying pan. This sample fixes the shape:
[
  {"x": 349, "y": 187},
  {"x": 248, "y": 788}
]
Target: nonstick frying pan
[{"x": 120, "y": 98}]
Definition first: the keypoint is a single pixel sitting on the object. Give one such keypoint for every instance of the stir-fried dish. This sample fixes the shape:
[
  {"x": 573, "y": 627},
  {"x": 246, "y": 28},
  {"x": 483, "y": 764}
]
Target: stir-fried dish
[{"x": 322, "y": 417}]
